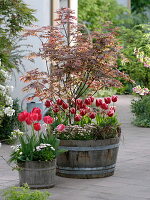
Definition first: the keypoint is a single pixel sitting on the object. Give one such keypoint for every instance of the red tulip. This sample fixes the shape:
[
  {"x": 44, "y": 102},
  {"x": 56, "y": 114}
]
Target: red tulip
[
  {"x": 77, "y": 118},
  {"x": 82, "y": 112},
  {"x": 60, "y": 127},
  {"x": 48, "y": 103},
  {"x": 79, "y": 101},
  {"x": 99, "y": 102},
  {"x": 107, "y": 100},
  {"x": 36, "y": 110},
  {"x": 88, "y": 109},
  {"x": 73, "y": 110},
  {"x": 92, "y": 99},
  {"x": 37, "y": 126},
  {"x": 34, "y": 116},
  {"x": 59, "y": 102},
  {"x": 48, "y": 119},
  {"x": 83, "y": 106},
  {"x": 104, "y": 106},
  {"x": 22, "y": 116},
  {"x": 114, "y": 98},
  {"x": 110, "y": 113},
  {"x": 92, "y": 115},
  {"x": 87, "y": 101},
  {"x": 56, "y": 108},
  {"x": 29, "y": 121},
  {"x": 65, "y": 105},
  {"x": 39, "y": 117}
]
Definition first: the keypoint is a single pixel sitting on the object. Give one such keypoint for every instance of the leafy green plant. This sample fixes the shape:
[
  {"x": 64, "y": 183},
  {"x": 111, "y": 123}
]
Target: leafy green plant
[
  {"x": 141, "y": 110},
  {"x": 106, "y": 92},
  {"x": 136, "y": 43},
  {"x": 24, "y": 193},
  {"x": 14, "y": 15},
  {"x": 10, "y": 123},
  {"x": 99, "y": 11},
  {"x": 35, "y": 145}
]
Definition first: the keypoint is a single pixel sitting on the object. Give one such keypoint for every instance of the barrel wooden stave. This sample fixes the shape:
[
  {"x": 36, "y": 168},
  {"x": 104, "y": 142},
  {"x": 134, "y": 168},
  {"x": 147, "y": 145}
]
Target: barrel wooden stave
[
  {"x": 37, "y": 174},
  {"x": 94, "y": 163}
]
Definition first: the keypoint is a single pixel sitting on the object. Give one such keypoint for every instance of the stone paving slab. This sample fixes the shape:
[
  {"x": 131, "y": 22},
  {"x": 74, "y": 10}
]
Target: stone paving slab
[{"x": 131, "y": 180}]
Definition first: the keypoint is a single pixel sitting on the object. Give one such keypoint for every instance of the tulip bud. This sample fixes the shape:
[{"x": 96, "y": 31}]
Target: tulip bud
[
  {"x": 107, "y": 100},
  {"x": 73, "y": 110},
  {"x": 82, "y": 112},
  {"x": 48, "y": 119},
  {"x": 79, "y": 101},
  {"x": 37, "y": 126},
  {"x": 99, "y": 102},
  {"x": 104, "y": 106},
  {"x": 56, "y": 108},
  {"x": 110, "y": 113},
  {"x": 92, "y": 115},
  {"x": 34, "y": 116},
  {"x": 48, "y": 103},
  {"x": 77, "y": 118},
  {"x": 59, "y": 102},
  {"x": 114, "y": 98},
  {"x": 65, "y": 105},
  {"x": 60, "y": 127},
  {"x": 22, "y": 116},
  {"x": 92, "y": 99},
  {"x": 87, "y": 101}
]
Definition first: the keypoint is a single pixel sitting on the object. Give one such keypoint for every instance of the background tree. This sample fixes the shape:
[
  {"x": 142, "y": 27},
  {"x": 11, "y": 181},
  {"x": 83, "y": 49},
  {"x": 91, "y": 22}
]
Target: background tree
[{"x": 14, "y": 15}]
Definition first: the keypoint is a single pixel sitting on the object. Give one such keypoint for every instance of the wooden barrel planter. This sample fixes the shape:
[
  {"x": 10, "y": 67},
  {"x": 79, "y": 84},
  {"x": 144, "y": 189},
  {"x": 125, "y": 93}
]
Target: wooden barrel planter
[
  {"x": 37, "y": 174},
  {"x": 88, "y": 158}
]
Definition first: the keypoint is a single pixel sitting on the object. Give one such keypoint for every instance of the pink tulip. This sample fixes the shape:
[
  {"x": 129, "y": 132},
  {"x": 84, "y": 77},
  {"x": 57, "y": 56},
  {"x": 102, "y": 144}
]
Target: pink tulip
[{"x": 60, "y": 127}]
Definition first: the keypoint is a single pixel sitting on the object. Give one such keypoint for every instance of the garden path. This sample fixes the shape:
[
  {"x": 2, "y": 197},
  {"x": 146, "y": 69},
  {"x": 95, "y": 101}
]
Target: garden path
[{"x": 131, "y": 180}]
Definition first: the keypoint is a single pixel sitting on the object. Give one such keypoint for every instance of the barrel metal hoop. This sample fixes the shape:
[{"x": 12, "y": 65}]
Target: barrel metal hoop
[
  {"x": 99, "y": 148},
  {"x": 86, "y": 171},
  {"x": 85, "y": 168}
]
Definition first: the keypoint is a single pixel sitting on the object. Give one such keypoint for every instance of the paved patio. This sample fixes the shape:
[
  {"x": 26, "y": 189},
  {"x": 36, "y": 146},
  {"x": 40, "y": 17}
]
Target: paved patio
[{"x": 131, "y": 180}]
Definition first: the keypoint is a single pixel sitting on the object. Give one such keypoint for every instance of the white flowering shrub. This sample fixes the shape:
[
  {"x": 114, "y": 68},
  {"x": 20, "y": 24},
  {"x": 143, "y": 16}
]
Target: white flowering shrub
[{"x": 6, "y": 102}]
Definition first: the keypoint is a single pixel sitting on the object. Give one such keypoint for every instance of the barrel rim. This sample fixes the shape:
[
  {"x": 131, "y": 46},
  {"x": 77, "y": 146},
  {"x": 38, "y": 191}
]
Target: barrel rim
[{"x": 89, "y": 143}]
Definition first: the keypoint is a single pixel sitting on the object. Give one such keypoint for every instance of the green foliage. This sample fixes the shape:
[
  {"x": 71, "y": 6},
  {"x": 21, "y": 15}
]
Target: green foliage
[
  {"x": 141, "y": 109},
  {"x": 137, "y": 38},
  {"x": 24, "y": 193},
  {"x": 27, "y": 151},
  {"x": 103, "y": 128},
  {"x": 14, "y": 15},
  {"x": 139, "y": 5},
  {"x": 99, "y": 11},
  {"x": 10, "y": 123},
  {"x": 106, "y": 92}
]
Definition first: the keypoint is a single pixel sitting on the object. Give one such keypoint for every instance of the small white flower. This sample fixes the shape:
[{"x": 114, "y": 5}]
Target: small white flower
[
  {"x": 10, "y": 88},
  {"x": 9, "y": 111},
  {"x": 9, "y": 100},
  {"x": 3, "y": 90}
]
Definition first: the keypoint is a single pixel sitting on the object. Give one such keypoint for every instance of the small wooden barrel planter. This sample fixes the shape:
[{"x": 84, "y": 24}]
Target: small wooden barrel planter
[
  {"x": 37, "y": 174},
  {"x": 88, "y": 159}
]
